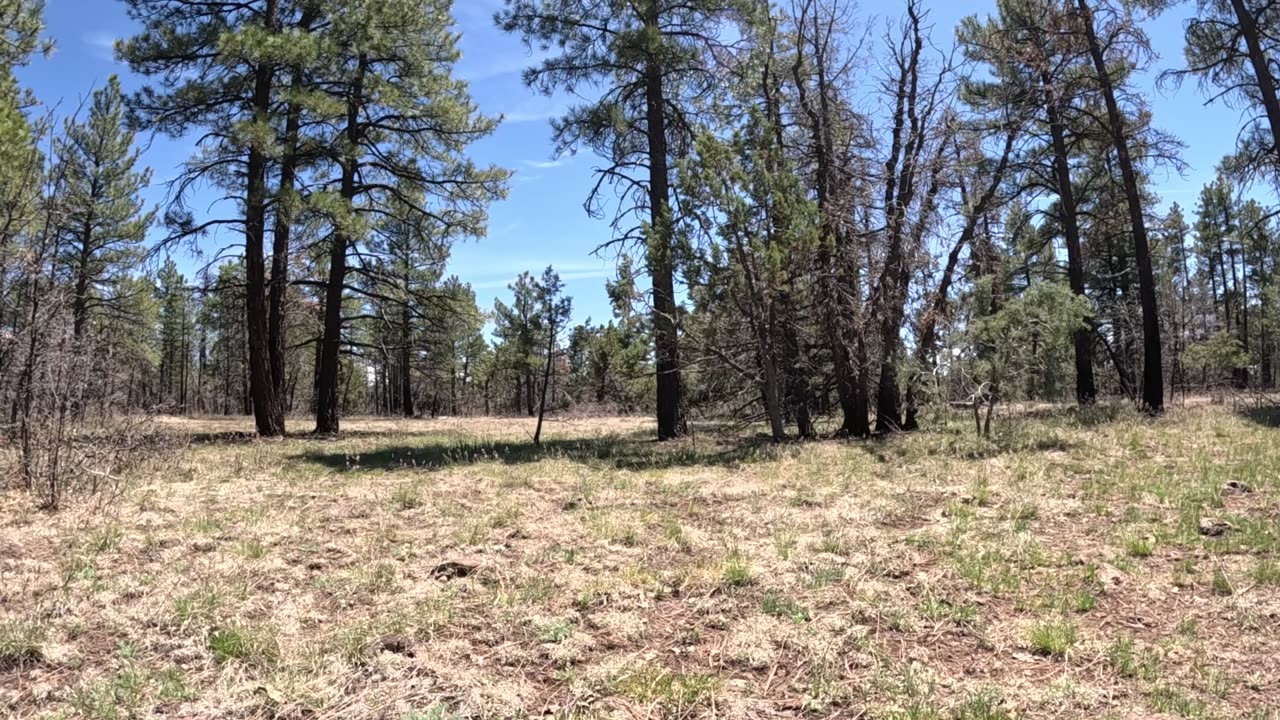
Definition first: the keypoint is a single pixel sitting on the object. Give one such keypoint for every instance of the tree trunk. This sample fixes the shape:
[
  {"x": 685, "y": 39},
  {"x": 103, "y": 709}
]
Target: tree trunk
[
  {"x": 276, "y": 327},
  {"x": 546, "y": 377},
  {"x": 670, "y": 402},
  {"x": 327, "y": 382},
  {"x": 1082, "y": 339},
  {"x": 406, "y": 379},
  {"x": 268, "y": 412},
  {"x": 1152, "y": 364},
  {"x": 1261, "y": 70}
]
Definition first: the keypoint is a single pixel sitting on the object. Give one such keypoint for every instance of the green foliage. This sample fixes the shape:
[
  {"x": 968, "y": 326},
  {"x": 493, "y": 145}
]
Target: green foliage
[
  {"x": 21, "y": 643},
  {"x": 250, "y": 645},
  {"x": 1053, "y": 638},
  {"x": 778, "y": 605},
  {"x": 1220, "y": 353},
  {"x": 105, "y": 223},
  {"x": 1028, "y": 340}
]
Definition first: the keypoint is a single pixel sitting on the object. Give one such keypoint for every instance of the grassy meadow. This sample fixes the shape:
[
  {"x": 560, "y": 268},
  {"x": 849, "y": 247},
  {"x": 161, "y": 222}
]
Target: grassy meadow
[{"x": 1077, "y": 565}]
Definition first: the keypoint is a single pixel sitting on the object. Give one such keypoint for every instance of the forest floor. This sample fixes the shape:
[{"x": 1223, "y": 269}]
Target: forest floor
[{"x": 1078, "y": 565}]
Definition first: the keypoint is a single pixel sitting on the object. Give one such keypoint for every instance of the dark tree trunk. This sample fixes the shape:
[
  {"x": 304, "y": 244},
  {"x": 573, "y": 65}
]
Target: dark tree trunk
[
  {"x": 327, "y": 380},
  {"x": 1152, "y": 363},
  {"x": 670, "y": 402},
  {"x": 80, "y": 304},
  {"x": 1262, "y": 70},
  {"x": 1082, "y": 339},
  {"x": 268, "y": 411},
  {"x": 285, "y": 207},
  {"x": 546, "y": 378},
  {"x": 406, "y": 380}
]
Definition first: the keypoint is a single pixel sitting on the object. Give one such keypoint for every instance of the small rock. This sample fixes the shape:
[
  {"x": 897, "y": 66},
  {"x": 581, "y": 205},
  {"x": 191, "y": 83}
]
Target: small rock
[
  {"x": 1213, "y": 527},
  {"x": 395, "y": 643},
  {"x": 454, "y": 569},
  {"x": 203, "y": 546},
  {"x": 1109, "y": 575},
  {"x": 1235, "y": 487}
]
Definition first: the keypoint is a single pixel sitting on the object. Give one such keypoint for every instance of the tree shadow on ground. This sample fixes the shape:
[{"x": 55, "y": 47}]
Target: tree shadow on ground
[
  {"x": 620, "y": 452},
  {"x": 238, "y": 437},
  {"x": 1264, "y": 416}
]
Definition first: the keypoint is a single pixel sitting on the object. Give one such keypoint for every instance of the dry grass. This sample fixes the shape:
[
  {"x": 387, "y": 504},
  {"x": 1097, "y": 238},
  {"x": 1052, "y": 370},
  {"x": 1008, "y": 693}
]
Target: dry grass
[{"x": 1059, "y": 571}]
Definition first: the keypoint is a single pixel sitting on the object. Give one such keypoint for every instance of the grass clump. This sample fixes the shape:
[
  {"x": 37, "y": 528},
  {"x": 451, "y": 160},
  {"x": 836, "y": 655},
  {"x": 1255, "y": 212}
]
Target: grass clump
[
  {"x": 556, "y": 631},
  {"x": 982, "y": 704},
  {"x": 434, "y": 712},
  {"x": 200, "y": 607},
  {"x": 251, "y": 549},
  {"x": 778, "y": 605},
  {"x": 736, "y": 570},
  {"x": 1139, "y": 545},
  {"x": 128, "y": 692},
  {"x": 675, "y": 691},
  {"x": 1053, "y": 638},
  {"x": 1175, "y": 701},
  {"x": 406, "y": 497},
  {"x": 1267, "y": 572},
  {"x": 1128, "y": 661},
  {"x": 255, "y": 646},
  {"x": 104, "y": 540},
  {"x": 21, "y": 644}
]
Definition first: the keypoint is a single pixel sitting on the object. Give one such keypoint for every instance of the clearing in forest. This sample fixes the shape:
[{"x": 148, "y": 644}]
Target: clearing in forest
[{"x": 1077, "y": 565}]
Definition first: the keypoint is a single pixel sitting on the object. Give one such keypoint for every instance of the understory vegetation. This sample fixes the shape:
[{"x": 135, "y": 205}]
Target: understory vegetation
[{"x": 1077, "y": 563}]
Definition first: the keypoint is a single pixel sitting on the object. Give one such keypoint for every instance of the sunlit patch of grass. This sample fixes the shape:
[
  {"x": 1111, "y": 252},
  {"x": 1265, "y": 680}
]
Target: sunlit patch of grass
[
  {"x": 21, "y": 643},
  {"x": 1176, "y": 701},
  {"x": 1129, "y": 661},
  {"x": 556, "y": 631},
  {"x": 982, "y": 704},
  {"x": 779, "y": 605},
  {"x": 127, "y": 691},
  {"x": 406, "y": 496},
  {"x": 736, "y": 569},
  {"x": 251, "y": 645},
  {"x": 200, "y": 607},
  {"x": 1139, "y": 545},
  {"x": 677, "y": 692},
  {"x": 251, "y": 549},
  {"x": 1053, "y": 638}
]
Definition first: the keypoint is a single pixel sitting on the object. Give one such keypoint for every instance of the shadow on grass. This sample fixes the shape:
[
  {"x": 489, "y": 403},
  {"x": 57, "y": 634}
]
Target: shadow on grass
[
  {"x": 236, "y": 437},
  {"x": 626, "y": 453},
  {"x": 1265, "y": 416}
]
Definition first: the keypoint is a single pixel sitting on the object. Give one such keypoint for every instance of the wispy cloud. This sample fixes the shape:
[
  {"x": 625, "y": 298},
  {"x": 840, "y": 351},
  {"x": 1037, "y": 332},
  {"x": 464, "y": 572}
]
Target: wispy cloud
[
  {"x": 567, "y": 276},
  {"x": 544, "y": 164},
  {"x": 101, "y": 44}
]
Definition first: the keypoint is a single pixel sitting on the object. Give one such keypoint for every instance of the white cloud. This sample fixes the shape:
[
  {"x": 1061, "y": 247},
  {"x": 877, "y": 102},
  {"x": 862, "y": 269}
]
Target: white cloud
[
  {"x": 101, "y": 44},
  {"x": 544, "y": 164},
  {"x": 536, "y": 270}
]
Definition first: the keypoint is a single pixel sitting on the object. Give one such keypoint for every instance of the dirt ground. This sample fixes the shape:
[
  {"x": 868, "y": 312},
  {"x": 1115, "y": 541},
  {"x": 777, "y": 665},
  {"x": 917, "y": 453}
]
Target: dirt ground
[{"x": 1078, "y": 565}]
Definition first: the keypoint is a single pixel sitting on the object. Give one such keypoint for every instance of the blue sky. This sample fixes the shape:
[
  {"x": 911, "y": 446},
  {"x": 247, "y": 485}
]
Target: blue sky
[{"x": 543, "y": 221}]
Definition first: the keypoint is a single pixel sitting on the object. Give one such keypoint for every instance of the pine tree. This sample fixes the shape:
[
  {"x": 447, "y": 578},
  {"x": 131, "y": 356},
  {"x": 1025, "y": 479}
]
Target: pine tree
[
  {"x": 1122, "y": 138},
  {"x": 1036, "y": 70},
  {"x": 403, "y": 126},
  {"x": 105, "y": 223},
  {"x": 215, "y": 66},
  {"x": 555, "y": 311},
  {"x": 648, "y": 58}
]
